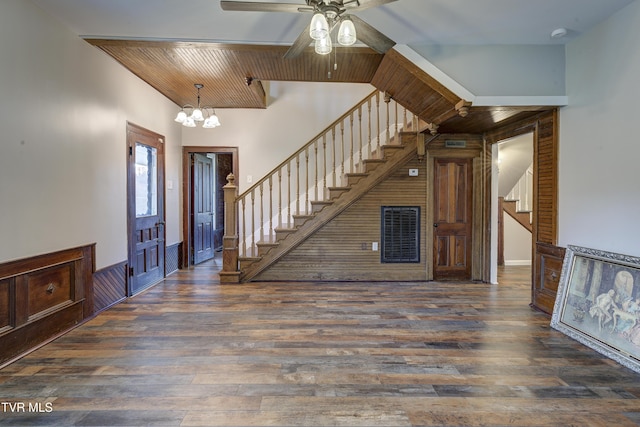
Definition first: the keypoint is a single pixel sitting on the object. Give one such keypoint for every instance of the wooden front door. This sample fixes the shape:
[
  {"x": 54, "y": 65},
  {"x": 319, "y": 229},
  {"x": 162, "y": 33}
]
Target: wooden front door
[
  {"x": 145, "y": 206},
  {"x": 202, "y": 198},
  {"x": 452, "y": 219}
]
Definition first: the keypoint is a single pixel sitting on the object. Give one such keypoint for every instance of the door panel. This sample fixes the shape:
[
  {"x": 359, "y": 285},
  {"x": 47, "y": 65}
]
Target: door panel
[
  {"x": 145, "y": 189},
  {"x": 452, "y": 219},
  {"x": 203, "y": 205}
]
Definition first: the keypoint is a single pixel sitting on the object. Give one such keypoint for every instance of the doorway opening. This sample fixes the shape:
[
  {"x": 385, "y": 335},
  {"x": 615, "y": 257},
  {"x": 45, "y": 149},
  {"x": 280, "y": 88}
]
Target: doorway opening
[
  {"x": 513, "y": 202},
  {"x": 204, "y": 171}
]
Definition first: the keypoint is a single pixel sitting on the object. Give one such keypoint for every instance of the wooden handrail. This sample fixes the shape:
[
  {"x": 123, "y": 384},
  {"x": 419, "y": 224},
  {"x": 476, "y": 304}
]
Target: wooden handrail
[
  {"x": 326, "y": 130},
  {"x": 313, "y": 171}
]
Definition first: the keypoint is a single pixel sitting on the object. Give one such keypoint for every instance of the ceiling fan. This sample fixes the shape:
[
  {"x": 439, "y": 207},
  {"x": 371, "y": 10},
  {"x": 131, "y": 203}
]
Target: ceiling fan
[{"x": 333, "y": 12}]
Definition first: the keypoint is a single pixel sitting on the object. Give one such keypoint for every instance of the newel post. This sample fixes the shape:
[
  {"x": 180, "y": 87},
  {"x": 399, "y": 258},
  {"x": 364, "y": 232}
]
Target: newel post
[{"x": 230, "y": 272}]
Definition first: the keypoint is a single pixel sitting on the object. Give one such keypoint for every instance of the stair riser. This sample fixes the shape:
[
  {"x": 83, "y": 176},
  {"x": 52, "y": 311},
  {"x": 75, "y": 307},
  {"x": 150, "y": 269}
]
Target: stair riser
[
  {"x": 317, "y": 207},
  {"x": 282, "y": 234},
  {"x": 264, "y": 249},
  {"x": 371, "y": 166},
  {"x": 353, "y": 180},
  {"x": 244, "y": 264},
  {"x": 298, "y": 222},
  {"x": 334, "y": 194}
]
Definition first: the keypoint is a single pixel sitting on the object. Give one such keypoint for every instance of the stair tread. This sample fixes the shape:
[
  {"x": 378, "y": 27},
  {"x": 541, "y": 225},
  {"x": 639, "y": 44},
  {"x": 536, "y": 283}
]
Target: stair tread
[
  {"x": 326, "y": 209},
  {"x": 286, "y": 229}
]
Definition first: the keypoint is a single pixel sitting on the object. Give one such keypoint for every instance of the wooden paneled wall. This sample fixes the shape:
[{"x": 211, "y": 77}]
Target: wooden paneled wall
[
  {"x": 342, "y": 249},
  {"x": 42, "y": 297},
  {"x": 173, "y": 258},
  {"x": 548, "y": 267},
  {"x": 547, "y": 257},
  {"x": 110, "y": 286},
  {"x": 545, "y": 165}
]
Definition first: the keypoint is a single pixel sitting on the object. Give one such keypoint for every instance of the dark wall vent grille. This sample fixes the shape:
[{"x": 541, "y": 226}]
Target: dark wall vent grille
[{"x": 400, "y": 234}]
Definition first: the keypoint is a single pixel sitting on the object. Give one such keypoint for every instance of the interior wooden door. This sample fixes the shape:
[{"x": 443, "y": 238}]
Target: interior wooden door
[
  {"x": 452, "y": 219},
  {"x": 202, "y": 198},
  {"x": 145, "y": 200}
]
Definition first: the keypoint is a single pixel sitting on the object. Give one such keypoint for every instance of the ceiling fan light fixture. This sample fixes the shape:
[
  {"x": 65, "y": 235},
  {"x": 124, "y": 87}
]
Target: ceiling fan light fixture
[
  {"x": 319, "y": 27},
  {"x": 347, "y": 32},
  {"x": 323, "y": 46}
]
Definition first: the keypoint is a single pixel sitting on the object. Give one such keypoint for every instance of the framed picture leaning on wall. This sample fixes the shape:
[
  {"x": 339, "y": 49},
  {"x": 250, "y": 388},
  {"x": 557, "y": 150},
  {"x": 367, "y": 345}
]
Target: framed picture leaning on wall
[{"x": 598, "y": 303}]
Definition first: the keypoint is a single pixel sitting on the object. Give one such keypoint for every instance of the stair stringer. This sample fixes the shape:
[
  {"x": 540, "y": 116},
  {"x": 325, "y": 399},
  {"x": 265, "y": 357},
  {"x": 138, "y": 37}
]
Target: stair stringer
[
  {"x": 339, "y": 205},
  {"x": 522, "y": 218}
]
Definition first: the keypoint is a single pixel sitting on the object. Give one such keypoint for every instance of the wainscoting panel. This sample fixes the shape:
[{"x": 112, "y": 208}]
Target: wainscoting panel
[
  {"x": 548, "y": 265},
  {"x": 42, "y": 297},
  {"x": 110, "y": 285},
  {"x": 173, "y": 258}
]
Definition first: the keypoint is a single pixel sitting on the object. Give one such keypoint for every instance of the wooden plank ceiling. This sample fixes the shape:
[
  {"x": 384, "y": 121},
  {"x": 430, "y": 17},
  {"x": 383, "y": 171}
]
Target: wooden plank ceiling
[{"x": 232, "y": 76}]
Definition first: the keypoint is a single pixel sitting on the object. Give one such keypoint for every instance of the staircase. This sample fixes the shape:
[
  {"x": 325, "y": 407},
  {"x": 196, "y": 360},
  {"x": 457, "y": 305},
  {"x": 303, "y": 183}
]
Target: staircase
[
  {"x": 316, "y": 184},
  {"x": 518, "y": 203},
  {"x": 522, "y": 217}
]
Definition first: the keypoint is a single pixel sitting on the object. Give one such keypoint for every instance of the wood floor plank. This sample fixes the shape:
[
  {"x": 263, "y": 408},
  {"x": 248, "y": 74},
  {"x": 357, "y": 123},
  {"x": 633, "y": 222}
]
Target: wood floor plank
[{"x": 191, "y": 352}]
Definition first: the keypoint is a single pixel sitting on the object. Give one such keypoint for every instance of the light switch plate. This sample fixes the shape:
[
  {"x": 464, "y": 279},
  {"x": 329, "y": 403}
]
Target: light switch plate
[{"x": 413, "y": 172}]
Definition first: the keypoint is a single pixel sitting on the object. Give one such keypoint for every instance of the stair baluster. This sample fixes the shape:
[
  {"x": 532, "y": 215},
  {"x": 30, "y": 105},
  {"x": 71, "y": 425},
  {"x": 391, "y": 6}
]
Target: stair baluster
[{"x": 264, "y": 221}]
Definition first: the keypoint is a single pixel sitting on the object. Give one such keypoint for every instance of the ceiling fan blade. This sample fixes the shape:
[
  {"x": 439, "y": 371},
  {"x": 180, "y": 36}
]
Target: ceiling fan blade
[
  {"x": 371, "y": 37},
  {"x": 365, "y": 4},
  {"x": 301, "y": 43},
  {"x": 251, "y": 6}
]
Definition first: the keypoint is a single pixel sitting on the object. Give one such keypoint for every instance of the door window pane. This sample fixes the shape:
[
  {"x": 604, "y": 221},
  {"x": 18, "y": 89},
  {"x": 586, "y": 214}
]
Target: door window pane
[{"x": 146, "y": 180}]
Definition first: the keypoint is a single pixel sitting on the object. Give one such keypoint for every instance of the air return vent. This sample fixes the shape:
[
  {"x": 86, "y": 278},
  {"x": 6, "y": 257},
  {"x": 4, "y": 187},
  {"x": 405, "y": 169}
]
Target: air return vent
[
  {"x": 400, "y": 234},
  {"x": 455, "y": 143}
]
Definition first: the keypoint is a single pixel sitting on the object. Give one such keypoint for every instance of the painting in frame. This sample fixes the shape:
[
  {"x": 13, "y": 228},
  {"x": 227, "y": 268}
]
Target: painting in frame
[{"x": 598, "y": 303}]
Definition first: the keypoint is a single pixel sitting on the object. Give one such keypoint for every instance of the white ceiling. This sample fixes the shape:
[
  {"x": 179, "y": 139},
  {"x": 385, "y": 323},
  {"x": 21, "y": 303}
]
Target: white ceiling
[{"x": 412, "y": 22}]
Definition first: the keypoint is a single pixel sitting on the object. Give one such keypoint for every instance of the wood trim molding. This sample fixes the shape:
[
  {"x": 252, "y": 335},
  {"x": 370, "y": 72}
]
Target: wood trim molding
[
  {"x": 186, "y": 194},
  {"x": 44, "y": 296}
]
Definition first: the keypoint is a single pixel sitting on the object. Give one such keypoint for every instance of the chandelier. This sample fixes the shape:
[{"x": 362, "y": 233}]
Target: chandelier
[
  {"x": 198, "y": 114},
  {"x": 320, "y": 30}
]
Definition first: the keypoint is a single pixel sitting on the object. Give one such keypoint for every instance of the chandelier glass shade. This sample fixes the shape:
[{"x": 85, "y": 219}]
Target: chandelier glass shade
[
  {"x": 189, "y": 115},
  {"x": 320, "y": 31},
  {"x": 347, "y": 32},
  {"x": 319, "y": 28},
  {"x": 323, "y": 46}
]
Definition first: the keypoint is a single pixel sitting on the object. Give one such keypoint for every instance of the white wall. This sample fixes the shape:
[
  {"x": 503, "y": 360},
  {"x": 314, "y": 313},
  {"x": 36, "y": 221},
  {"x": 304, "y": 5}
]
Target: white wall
[
  {"x": 296, "y": 113},
  {"x": 599, "y": 172},
  {"x": 63, "y": 115},
  {"x": 517, "y": 243},
  {"x": 501, "y": 70}
]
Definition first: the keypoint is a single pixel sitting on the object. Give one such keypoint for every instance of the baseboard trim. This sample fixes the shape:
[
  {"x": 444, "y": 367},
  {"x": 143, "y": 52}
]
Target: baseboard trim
[{"x": 515, "y": 262}]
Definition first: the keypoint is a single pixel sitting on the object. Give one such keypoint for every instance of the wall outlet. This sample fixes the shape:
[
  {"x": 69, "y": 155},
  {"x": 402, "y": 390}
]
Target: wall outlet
[
  {"x": 374, "y": 246},
  {"x": 249, "y": 179}
]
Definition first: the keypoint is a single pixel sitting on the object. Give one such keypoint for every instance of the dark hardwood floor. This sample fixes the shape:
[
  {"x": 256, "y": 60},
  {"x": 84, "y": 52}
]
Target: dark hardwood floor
[{"x": 189, "y": 352}]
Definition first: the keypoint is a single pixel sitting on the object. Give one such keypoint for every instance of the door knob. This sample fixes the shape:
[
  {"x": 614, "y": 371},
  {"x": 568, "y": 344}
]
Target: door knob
[{"x": 435, "y": 224}]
